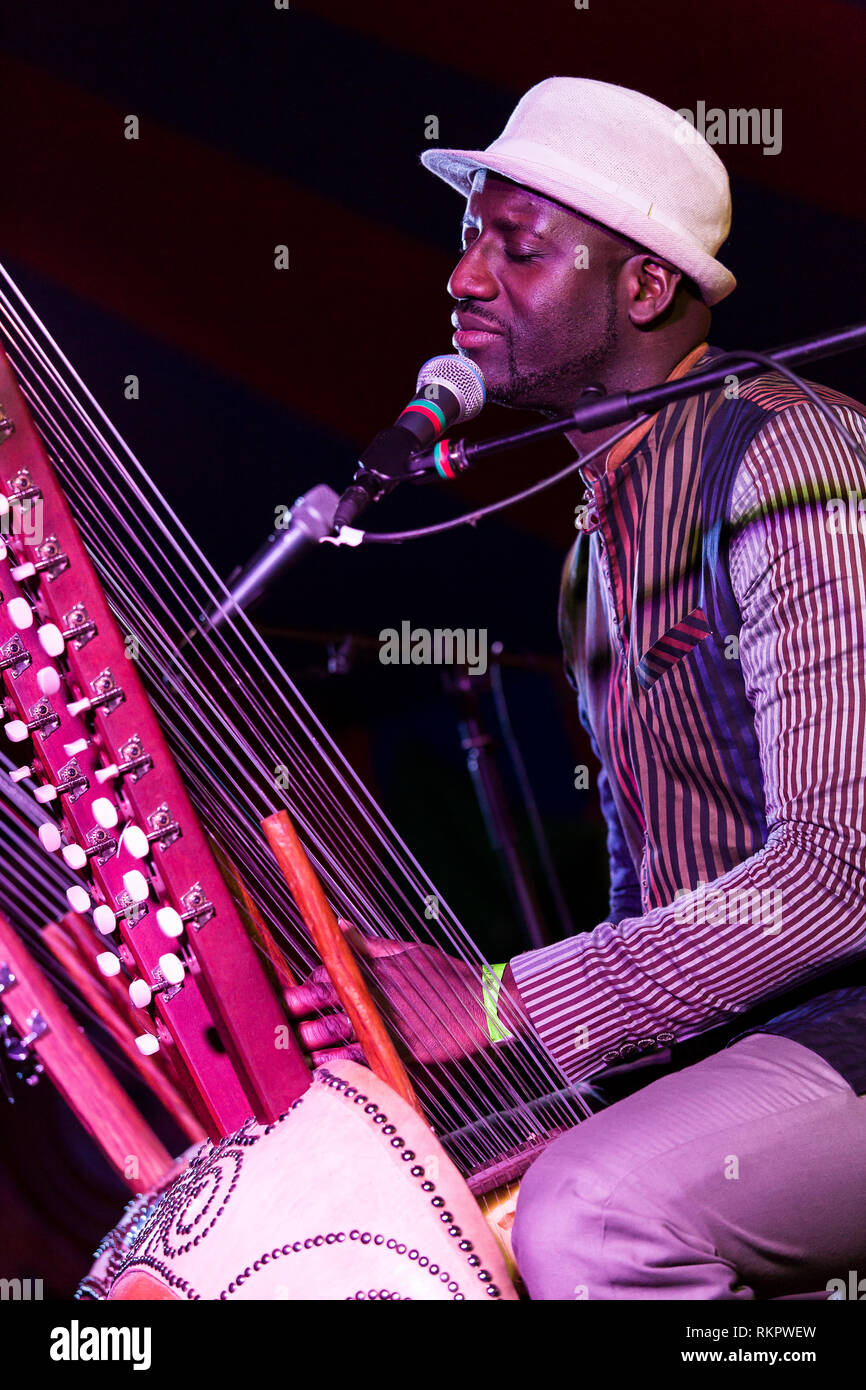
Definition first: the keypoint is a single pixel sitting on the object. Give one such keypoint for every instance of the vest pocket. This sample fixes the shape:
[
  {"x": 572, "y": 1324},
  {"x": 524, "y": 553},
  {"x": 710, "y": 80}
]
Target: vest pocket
[{"x": 672, "y": 646}]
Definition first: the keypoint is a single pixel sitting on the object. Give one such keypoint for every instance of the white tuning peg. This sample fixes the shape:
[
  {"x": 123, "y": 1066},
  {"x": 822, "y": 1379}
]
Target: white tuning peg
[
  {"x": 20, "y": 774},
  {"x": 3, "y": 548},
  {"x": 147, "y": 1044},
  {"x": 74, "y": 856},
  {"x": 134, "y": 839},
  {"x": 104, "y": 919},
  {"x": 48, "y": 680},
  {"x": 78, "y": 706},
  {"x": 105, "y": 774},
  {"x": 4, "y": 504},
  {"x": 79, "y": 745},
  {"x": 51, "y": 639},
  {"x": 140, "y": 993},
  {"x": 20, "y": 612},
  {"x": 172, "y": 968},
  {"x": 17, "y": 731},
  {"x": 108, "y": 964},
  {"x": 169, "y": 921},
  {"x": 21, "y": 572},
  {"x": 105, "y": 812},
  {"x": 136, "y": 885},
  {"x": 49, "y": 835},
  {"x": 45, "y": 794},
  {"x": 78, "y": 898}
]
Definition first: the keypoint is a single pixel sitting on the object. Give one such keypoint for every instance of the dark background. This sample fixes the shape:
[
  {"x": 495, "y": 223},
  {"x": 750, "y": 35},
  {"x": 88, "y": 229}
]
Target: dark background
[{"x": 304, "y": 127}]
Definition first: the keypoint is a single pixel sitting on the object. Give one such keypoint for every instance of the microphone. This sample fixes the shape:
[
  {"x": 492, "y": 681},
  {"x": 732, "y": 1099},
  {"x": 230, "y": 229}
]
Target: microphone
[
  {"x": 448, "y": 391},
  {"x": 311, "y": 518}
]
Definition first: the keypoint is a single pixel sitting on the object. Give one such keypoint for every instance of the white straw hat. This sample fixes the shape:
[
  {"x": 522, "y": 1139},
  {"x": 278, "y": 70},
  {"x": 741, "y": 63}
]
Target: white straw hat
[{"x": 620, "y": 158}]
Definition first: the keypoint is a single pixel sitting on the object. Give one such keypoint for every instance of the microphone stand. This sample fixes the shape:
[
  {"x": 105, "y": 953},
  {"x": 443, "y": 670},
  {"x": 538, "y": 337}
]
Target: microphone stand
[{"x": 602, "y": 410}]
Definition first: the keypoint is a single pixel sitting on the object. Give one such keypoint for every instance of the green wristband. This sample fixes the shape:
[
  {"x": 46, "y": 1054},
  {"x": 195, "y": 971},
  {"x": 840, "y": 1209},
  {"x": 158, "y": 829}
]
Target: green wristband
[{"x": 491, "y": 983}]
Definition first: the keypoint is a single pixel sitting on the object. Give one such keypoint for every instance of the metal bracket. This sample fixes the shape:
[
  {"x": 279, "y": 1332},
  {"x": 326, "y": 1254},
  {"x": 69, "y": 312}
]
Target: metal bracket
[
  {"x": 78, "y": 627},
  {"x": 97, "y": 838},
  {"x": 198, "y": 910},
  {"x": 52, "y": 561},
  {"x": 44, "y": 711},
  {"x": 162, "y": 819},
  {"x": 71, "y": 772},
  {"x": 14, "y": 656},
  {"x": 38, "y": 1028}
]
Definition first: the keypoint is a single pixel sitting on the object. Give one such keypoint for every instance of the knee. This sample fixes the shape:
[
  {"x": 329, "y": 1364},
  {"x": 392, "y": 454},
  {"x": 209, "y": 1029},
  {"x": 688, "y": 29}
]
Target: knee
[{"x": 559, "y": 1221}]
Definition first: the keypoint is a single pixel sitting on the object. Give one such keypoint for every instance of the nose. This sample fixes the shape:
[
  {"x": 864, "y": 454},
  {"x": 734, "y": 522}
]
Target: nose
[{"x": 471, "y": 277}]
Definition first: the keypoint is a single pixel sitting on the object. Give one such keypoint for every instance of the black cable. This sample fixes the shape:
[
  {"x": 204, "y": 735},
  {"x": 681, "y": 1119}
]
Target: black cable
[{"x": 470, "y": 518}]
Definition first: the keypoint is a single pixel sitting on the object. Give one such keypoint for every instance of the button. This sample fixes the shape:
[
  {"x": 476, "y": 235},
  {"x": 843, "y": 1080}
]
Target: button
[
  {"x": 134, "y": 839},
  {"x": 105, "y": 812},
  {"x": 108, "y": 964},
  {"x": 104, "y": 919},
  {"x": 21, "y": 613},
  {"x": 48, "y": 680},
  {"x": 78, "y": 898},
  {"x": 140, "y": 993},
  {"x": 49, "y": 835},
  {"x": 51, "y": 639},
  {"x": 169, "y": 921},
  {"x": 136, "y": 885}
]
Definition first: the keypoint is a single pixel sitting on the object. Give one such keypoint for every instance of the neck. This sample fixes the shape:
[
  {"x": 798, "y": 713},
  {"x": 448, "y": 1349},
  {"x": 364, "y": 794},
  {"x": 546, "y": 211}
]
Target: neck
[{"x": 633, "y": 375}]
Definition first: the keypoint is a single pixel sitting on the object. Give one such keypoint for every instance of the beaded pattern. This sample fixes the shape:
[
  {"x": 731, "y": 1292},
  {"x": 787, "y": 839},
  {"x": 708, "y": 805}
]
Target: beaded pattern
[
  {"x": 322, "y": 1077},
  {"x": 118, "y": 1243},
  {"x": 191, "y": 1207},
  {"x": 338, "y": 1238}
]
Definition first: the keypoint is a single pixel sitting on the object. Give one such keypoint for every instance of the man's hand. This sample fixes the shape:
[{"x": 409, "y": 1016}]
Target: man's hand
[{"x": 431, "y": 1003}]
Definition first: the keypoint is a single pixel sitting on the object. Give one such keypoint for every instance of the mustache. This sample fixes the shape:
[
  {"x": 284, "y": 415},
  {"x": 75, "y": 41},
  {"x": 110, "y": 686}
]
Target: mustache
[{"x": 465, "y": 306}]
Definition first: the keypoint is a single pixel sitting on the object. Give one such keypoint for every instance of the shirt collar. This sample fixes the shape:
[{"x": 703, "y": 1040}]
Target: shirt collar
[{"x": 621, "y": 450}]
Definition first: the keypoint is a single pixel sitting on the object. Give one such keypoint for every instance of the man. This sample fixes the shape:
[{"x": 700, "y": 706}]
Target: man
[{"x": 713, "y": 616}]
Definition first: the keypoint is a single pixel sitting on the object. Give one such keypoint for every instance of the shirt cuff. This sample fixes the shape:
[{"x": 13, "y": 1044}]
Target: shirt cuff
[{"x": 580, "y": 1023}]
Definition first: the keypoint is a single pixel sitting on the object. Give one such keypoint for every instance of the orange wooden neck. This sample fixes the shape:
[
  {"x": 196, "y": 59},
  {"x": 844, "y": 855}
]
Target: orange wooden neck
[{"x": 337, "y": 956}]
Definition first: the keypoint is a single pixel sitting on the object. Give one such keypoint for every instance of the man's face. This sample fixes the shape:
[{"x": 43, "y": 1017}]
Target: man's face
[{"x": 536, "y": 289}]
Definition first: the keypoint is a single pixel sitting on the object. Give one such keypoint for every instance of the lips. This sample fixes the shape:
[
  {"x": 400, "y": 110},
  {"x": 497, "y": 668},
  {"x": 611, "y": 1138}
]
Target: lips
[
  {"x": 473, "y": 333},
  {"x": 466, "y": 338}
]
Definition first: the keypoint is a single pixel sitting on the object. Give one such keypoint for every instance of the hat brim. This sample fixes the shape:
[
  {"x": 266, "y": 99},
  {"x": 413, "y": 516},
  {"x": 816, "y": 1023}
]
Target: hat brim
[{"x": 457, "y": 168}]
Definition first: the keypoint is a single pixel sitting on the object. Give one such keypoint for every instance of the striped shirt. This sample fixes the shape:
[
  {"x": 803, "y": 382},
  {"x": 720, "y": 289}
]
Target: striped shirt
[{"x": 714, "y": 628}]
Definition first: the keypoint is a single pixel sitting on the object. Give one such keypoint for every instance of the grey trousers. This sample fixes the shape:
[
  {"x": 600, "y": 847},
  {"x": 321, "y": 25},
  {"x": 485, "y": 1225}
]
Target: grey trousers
[{"x": 741, "y": 1177}]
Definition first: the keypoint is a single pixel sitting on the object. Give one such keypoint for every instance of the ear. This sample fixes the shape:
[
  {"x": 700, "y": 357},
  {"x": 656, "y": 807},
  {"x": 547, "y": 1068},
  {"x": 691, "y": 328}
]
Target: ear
[{"x": 651, "y": 287}]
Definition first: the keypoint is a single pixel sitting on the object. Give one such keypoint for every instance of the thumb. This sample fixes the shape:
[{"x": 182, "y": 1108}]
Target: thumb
[{"x": 369, "y": 946}]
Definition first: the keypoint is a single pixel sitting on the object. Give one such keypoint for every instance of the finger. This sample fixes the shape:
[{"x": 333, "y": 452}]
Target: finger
[
  {"x": 309, "y": 997},
  {"x": 321, "y": 1032},
  {"x": 332, "y": 1054},
  {"x": 371, "y": 946}
]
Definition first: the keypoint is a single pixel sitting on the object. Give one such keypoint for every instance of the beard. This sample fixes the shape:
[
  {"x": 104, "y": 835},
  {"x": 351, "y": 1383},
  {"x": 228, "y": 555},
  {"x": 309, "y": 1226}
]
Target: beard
[{"x": 553, "y": 390}]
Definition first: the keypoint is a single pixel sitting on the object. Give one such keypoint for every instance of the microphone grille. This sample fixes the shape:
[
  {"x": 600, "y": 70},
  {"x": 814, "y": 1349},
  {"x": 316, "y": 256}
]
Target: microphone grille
[{"x": 462, "y": 378}]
